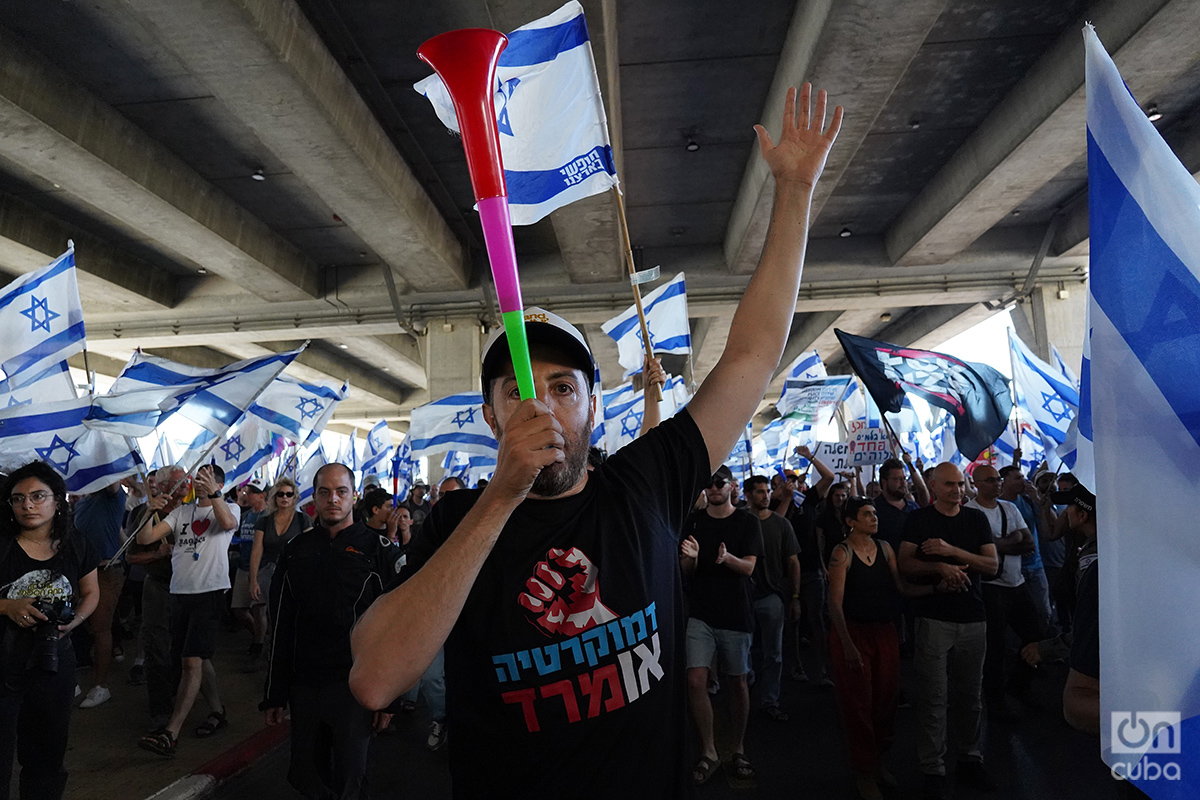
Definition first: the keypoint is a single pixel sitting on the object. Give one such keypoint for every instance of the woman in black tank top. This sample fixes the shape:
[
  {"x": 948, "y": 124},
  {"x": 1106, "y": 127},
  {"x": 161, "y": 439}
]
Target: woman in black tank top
[{"x": 864, "y": 592}]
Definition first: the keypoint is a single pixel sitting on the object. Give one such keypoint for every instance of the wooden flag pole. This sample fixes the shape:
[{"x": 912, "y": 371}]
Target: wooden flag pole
[{"x": 655, "y": 391}]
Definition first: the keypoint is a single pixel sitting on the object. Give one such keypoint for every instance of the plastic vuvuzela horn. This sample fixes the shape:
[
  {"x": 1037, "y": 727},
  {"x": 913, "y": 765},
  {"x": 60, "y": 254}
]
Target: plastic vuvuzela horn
[{"x": 465, "y": 60}]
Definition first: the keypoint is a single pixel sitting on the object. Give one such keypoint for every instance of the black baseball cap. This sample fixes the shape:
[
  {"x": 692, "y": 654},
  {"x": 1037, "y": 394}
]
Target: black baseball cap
[
  {"x": 541, "y": 327},
  {"x": 1076, "y": 495},
  {"x": 723, "y": 473}
]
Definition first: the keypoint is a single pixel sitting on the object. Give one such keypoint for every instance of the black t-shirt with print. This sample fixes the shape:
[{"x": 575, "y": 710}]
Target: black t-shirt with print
[
  {"x": 717, "y": 595},
  {"x": 56, "y": 578},
  {"x": 564, "y": 672},
  {"x": 967, "y": 530}
]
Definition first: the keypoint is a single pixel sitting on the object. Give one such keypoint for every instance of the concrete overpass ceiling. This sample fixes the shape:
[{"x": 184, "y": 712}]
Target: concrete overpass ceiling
[{"x": 137, "y": 127}]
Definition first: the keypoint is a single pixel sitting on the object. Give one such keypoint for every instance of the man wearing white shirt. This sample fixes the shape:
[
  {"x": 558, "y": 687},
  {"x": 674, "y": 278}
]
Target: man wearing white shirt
[
  {"x": 199, "y": 580},
  {"x": 1005, "y": 597}
]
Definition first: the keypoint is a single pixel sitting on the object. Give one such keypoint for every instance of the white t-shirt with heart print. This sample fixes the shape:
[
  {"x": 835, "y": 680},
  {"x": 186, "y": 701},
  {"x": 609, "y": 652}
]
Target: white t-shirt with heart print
[{"x": 200, "y": 560}]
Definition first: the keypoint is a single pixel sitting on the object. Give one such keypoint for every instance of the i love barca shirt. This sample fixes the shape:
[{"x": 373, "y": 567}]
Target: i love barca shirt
[{"x": 200, "y": 559}]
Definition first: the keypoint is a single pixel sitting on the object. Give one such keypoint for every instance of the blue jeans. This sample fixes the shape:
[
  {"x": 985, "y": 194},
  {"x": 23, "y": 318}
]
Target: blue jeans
[
  {"x": 433, "y": 687},
  {"x": 769, "y": 613}
]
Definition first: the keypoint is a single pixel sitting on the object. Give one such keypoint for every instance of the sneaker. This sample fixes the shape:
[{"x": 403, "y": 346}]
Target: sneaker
[
  {"x": 774, "y": 713},
  {"x": 437, "y": 736},
  {"x": 96, "y": 696},
  {"x": 798, "y": 675},
  {"x": 972, "y": 773},
  {"x": 407, "y": 706},
  {"x": 118, "y": 654},
  {"x": 137, "y": 675},
  {"x": 934, "y": 788}
]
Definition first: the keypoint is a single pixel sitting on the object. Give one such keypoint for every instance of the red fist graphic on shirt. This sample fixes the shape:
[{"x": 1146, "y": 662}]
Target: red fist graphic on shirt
[{"x": 563, "y": 597}]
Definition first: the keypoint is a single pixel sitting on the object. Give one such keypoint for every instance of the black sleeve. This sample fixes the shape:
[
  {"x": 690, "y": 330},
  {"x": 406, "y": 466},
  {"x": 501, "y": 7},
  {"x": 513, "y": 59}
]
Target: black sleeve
[
  {"x": 664, "y": 471},
  {"x": 752, "y": 538},
  {"x": 437, "y": 526},
  {"x": 89, "y": 559},
  {"x": 1085, "y": 649},
  {"x": 791, "y": 544},
  {"x": 982, "y": 528}
]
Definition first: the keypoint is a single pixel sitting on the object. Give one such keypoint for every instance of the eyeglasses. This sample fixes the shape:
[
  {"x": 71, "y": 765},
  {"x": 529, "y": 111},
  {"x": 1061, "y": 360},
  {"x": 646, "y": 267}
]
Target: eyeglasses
[
  {"x": 717, "y": 483},
  {"x": 285, "y": 494},
  {"x": 37, "y": 497}
]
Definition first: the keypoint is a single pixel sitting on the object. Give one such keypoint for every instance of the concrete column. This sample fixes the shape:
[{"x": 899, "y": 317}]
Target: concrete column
[
  {"x": 1048, "y": 317},
  {"x": 453, "y": 348}
]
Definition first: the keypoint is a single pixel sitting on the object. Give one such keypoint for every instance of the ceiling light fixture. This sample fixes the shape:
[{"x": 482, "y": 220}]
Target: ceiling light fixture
[
  {"x": 202, "y": 271},
  {"x": 344, "y": 346},
  {"x": 885, "y": 317},
  {"x": 1153, "y": 114},
  {"x": 692, "y": 146},
  {"x": 258, "y": 175},
  {"x": 846, "y": 233}
]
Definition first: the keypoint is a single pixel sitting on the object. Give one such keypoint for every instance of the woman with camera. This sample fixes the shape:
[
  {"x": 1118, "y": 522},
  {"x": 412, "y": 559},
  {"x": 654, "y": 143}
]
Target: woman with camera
[{"x": 48, "y": 586}]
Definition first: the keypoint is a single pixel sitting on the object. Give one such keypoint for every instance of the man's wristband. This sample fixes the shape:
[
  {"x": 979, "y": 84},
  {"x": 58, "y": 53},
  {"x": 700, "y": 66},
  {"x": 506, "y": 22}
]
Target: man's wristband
[{"x": 214, "y": 496}]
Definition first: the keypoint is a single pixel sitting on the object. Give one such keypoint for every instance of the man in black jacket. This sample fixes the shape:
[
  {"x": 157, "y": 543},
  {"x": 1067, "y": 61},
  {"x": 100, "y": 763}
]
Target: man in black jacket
[{"x": 326, "y": 578}]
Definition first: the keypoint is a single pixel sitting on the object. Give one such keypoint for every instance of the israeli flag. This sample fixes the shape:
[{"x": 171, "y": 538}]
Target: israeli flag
[
  {"x": 666, "y": 318},
  {"x": 41, "y": 319},
  {"x": 553, "y": 131},
  {"x": 60, "y": 434},
  {"x": 452, "y": 423},
  {"x": 379, "y": 452},
  {"x": 1061, "y": 366},
  {"x": 1140, "y": 406},
  {"x": 215, "y": 399},
  {"x": 245, "y": 448},
  {"x": 295, "y": 410},
  {"x": 313, "y": 459},
  {"x": 402, "y": 468},
  {"x": 52, "y": 384},
  {"x": 1047, "y": 393},
  {"x": 624, "y": 409},
  {"x": 741, "y": 458},
  {"x": 775, "y": 437},
  {"x": 348, "y": 452}
]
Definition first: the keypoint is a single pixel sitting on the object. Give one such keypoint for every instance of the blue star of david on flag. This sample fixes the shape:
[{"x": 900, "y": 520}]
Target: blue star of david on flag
[
  {"x": 234, "y": 448},
  {"x": 13, "y": 401},
  {"x": 309, "y": 407},
  {"x": 47, "y": 316},
  {"x": 69, "y": 452},
  {"x": 506, "y": 90},
  {"x": 631, "y": 423},
  {"x": 1056, "y": 407},
  {"x": 464, "y": 418}
]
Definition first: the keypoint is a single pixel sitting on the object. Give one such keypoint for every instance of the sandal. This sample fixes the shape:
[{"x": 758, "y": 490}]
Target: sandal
[
  {"x": 213, "y": 723},
  {"x": 741, "y": 766},
  {"x": 704, "y": 770},
  {"x": 160, "y": 742}
]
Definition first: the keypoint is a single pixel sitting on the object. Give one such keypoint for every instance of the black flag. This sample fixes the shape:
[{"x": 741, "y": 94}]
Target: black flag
[{"x": 975, "y": 394}]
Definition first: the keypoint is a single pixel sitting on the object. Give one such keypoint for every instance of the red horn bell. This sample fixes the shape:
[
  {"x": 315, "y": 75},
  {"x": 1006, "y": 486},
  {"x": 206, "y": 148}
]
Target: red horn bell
[{"x": 466, "y": 60}]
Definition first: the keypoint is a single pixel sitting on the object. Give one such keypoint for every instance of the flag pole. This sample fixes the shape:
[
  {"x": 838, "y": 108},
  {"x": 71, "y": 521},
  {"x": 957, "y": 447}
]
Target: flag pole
[
  {"x": 1012, "y": 387},
  {"x": 655, "y": 390}
]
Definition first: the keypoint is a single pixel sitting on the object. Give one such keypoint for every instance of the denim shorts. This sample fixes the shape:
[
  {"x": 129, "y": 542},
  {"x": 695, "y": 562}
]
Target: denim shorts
[{"x": 704, "y": 642}]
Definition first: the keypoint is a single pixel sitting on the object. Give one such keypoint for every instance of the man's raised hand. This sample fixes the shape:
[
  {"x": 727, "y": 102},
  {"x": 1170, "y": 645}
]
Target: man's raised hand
[
  {"x": 689, "y": 547},
  {"x": 803, "y": 144}
]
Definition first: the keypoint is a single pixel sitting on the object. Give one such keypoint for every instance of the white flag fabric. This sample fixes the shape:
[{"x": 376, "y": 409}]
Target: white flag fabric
[
  {"x": 295, "y": 410},
  {"x": 1061, "y": 365},
  {"x": 213, "y": 398},
  {"x": 59, "y": 434},
  {"x": 51, "y": 385},
  {"x": 625, "y": 408},
  {"x": 312, "y": 458},
  {"x": 41, "y": 319},
  {"x": 553, "y": 131},
  {"x": 666, "y": 318},
  {"x": 348, "y": 453},
  {"x": 378, "y": 461},
  {"x": 451, "y": 423},
  {"x": 1139, "y": 406},
  {"x": 1047, "y": 393},
  {"x": 246, "y": 447}
]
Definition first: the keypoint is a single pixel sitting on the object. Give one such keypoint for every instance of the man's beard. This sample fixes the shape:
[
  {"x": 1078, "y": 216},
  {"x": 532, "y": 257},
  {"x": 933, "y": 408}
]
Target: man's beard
[{"x": 561, "y": 476}]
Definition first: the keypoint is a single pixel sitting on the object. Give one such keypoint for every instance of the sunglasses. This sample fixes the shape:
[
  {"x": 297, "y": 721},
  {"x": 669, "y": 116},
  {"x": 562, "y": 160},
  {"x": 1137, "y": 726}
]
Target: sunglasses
[
  {"x": 285, "y": 494},
  {"x": 718, "y": 483}
]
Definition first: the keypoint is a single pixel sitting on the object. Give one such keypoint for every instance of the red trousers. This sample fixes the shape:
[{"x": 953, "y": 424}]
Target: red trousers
[{"x": 867, "y": 697}]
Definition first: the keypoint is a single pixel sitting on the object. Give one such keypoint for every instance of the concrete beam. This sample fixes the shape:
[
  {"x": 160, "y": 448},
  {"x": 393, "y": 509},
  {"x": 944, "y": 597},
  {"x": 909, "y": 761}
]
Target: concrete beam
[
  {"x": 1034, "y": 132},
  {"x": 265, "y": 63},
  {"x": 705, "y": 357},
  {"x": 857, "y": 51},
  {"x": 860, "y": 322},
  {"x": 60, "y": 131},
  {"x": 108, "y": 278}
]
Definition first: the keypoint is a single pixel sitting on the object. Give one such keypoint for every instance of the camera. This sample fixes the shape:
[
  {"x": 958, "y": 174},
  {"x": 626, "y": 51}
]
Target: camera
[{"x": 46, "y": 635}]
